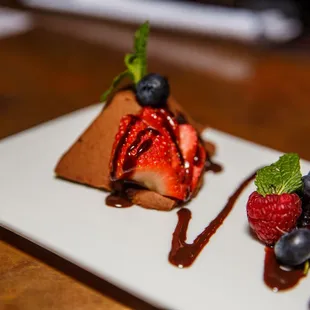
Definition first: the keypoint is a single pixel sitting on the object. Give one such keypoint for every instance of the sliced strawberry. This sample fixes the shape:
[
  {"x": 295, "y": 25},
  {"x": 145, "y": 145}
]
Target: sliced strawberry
[
  {"x": 154, "y": 170},
  {"x": 164, "y": 122},
  {"x": 148, "y": 157},
  {"x": 198, "y": 166},
  {"x": 152, "y": 150},
  {"x": 160, "y": 119},
  {"x": 188, "y": 142},
  {"x": 130, "y": 126},
  {"x": 162, "y": 180}
]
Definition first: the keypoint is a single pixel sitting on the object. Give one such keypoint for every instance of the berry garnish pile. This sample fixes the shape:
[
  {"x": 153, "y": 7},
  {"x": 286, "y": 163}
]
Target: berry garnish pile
[
  {"x": 304, "y": 220},
  {"x": 279, "y": 210},
  {"x": 274, "y": 207}
]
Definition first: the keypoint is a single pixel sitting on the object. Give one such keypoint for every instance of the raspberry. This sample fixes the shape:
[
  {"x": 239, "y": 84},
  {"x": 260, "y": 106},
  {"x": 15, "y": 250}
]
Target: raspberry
[{"x": 273, "y": 215}]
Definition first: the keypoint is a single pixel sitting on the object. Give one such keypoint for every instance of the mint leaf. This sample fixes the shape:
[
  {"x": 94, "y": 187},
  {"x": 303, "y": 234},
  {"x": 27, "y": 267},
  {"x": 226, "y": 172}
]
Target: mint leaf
[
  {"x": 135, "y": 62},
  {"x": 284, "y": 176},
  {"x": 114, "y": 84},
  {"x": 134, "y": 67}
]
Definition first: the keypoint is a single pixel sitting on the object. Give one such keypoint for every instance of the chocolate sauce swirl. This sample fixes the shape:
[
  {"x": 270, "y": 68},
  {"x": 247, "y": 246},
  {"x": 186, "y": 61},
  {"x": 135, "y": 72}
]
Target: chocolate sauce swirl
[
  {"x": 277, "y": 278},
  {"x": 212, "y": 166},
  {"x": 183, "y": 254}
]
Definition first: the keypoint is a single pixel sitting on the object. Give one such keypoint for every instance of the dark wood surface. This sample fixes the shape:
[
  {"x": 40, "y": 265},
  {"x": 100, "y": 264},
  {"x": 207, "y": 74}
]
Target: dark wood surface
[{"x": 62, "y": 64}]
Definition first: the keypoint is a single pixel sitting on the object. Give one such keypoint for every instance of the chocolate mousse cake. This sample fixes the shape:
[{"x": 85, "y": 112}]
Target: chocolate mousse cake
[{"x": 143, "y": 147}]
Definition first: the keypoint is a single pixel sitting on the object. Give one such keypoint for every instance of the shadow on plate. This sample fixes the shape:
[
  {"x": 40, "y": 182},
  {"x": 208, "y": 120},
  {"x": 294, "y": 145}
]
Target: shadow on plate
[{"x": 74, "y": 271}]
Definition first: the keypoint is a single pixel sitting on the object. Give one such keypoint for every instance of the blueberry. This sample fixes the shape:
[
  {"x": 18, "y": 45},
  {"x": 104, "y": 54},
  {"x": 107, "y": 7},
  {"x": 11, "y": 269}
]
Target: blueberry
[
  {"x": 293, "y": 248},
  {"x": 153, "y": 90},
  {"x": 306, "y": 181},
  {"x": 304, "y": 220}
]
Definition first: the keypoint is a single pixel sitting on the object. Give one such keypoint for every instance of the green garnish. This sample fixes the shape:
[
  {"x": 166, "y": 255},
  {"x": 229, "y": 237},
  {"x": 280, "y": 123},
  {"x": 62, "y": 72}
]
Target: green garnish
[
  {"x": 284, "y": 176},
  {"x": 114, "y": 84},
  {"x": 135, "y": 62}
]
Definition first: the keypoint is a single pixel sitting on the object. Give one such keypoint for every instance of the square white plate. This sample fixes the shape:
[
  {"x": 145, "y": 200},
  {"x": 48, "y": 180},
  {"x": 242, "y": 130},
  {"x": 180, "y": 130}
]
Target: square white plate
[{"x": 129, "y": 247}]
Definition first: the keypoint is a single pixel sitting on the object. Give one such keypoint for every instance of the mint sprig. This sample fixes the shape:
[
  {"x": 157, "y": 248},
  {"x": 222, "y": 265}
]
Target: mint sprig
[
  {"x": 284, "y": 176},
  {"x": 114, "y": 84},
  {"x": 135, "y": 62}
]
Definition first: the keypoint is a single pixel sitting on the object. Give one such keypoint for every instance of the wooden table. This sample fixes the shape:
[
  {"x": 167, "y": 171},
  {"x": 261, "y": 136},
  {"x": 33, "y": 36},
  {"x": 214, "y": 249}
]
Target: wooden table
[{"x": 64, "y": 63}]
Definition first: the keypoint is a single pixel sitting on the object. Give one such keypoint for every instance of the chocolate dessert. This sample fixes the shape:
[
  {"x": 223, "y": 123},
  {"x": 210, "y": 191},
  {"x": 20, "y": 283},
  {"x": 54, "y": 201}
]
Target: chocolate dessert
[
  {"x": 143, "y": 147},
  {"x": 146, "y": 150}
]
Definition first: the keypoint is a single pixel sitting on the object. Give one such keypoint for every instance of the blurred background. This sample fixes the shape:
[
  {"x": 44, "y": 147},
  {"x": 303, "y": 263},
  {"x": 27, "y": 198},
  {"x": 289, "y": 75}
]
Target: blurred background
[
  {"x": 250, "y": 20},
  {"x": 241, "y": 66}
]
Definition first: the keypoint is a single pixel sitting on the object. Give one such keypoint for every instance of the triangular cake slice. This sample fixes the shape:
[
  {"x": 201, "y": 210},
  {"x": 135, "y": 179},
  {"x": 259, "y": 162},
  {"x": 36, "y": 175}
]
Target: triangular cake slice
[{"x": 87, "y": 160}]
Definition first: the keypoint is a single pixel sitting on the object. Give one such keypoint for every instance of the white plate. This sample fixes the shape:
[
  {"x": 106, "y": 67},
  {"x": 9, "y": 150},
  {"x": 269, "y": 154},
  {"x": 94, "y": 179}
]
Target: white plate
[{"x": 129, "y": 247}]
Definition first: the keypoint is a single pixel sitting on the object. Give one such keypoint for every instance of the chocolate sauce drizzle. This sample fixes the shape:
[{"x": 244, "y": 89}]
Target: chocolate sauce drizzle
[
  {"x": 212, "y": 166},
  {"x": 118, "y": 200},
  {"x": 197, "y": 157},
  {"x": 277, "y": 278},
  {"x": 183, "y": 254},
  {"x": 181, "y": 119}
]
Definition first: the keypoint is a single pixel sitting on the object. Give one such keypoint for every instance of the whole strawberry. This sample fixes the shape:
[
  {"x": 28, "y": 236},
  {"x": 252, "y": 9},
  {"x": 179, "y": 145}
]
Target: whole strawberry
[{"x": 274, "y": 208}]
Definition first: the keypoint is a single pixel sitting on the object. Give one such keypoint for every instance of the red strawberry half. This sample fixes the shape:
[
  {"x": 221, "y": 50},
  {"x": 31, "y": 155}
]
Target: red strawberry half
[{"x": 152, "y": 150}]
